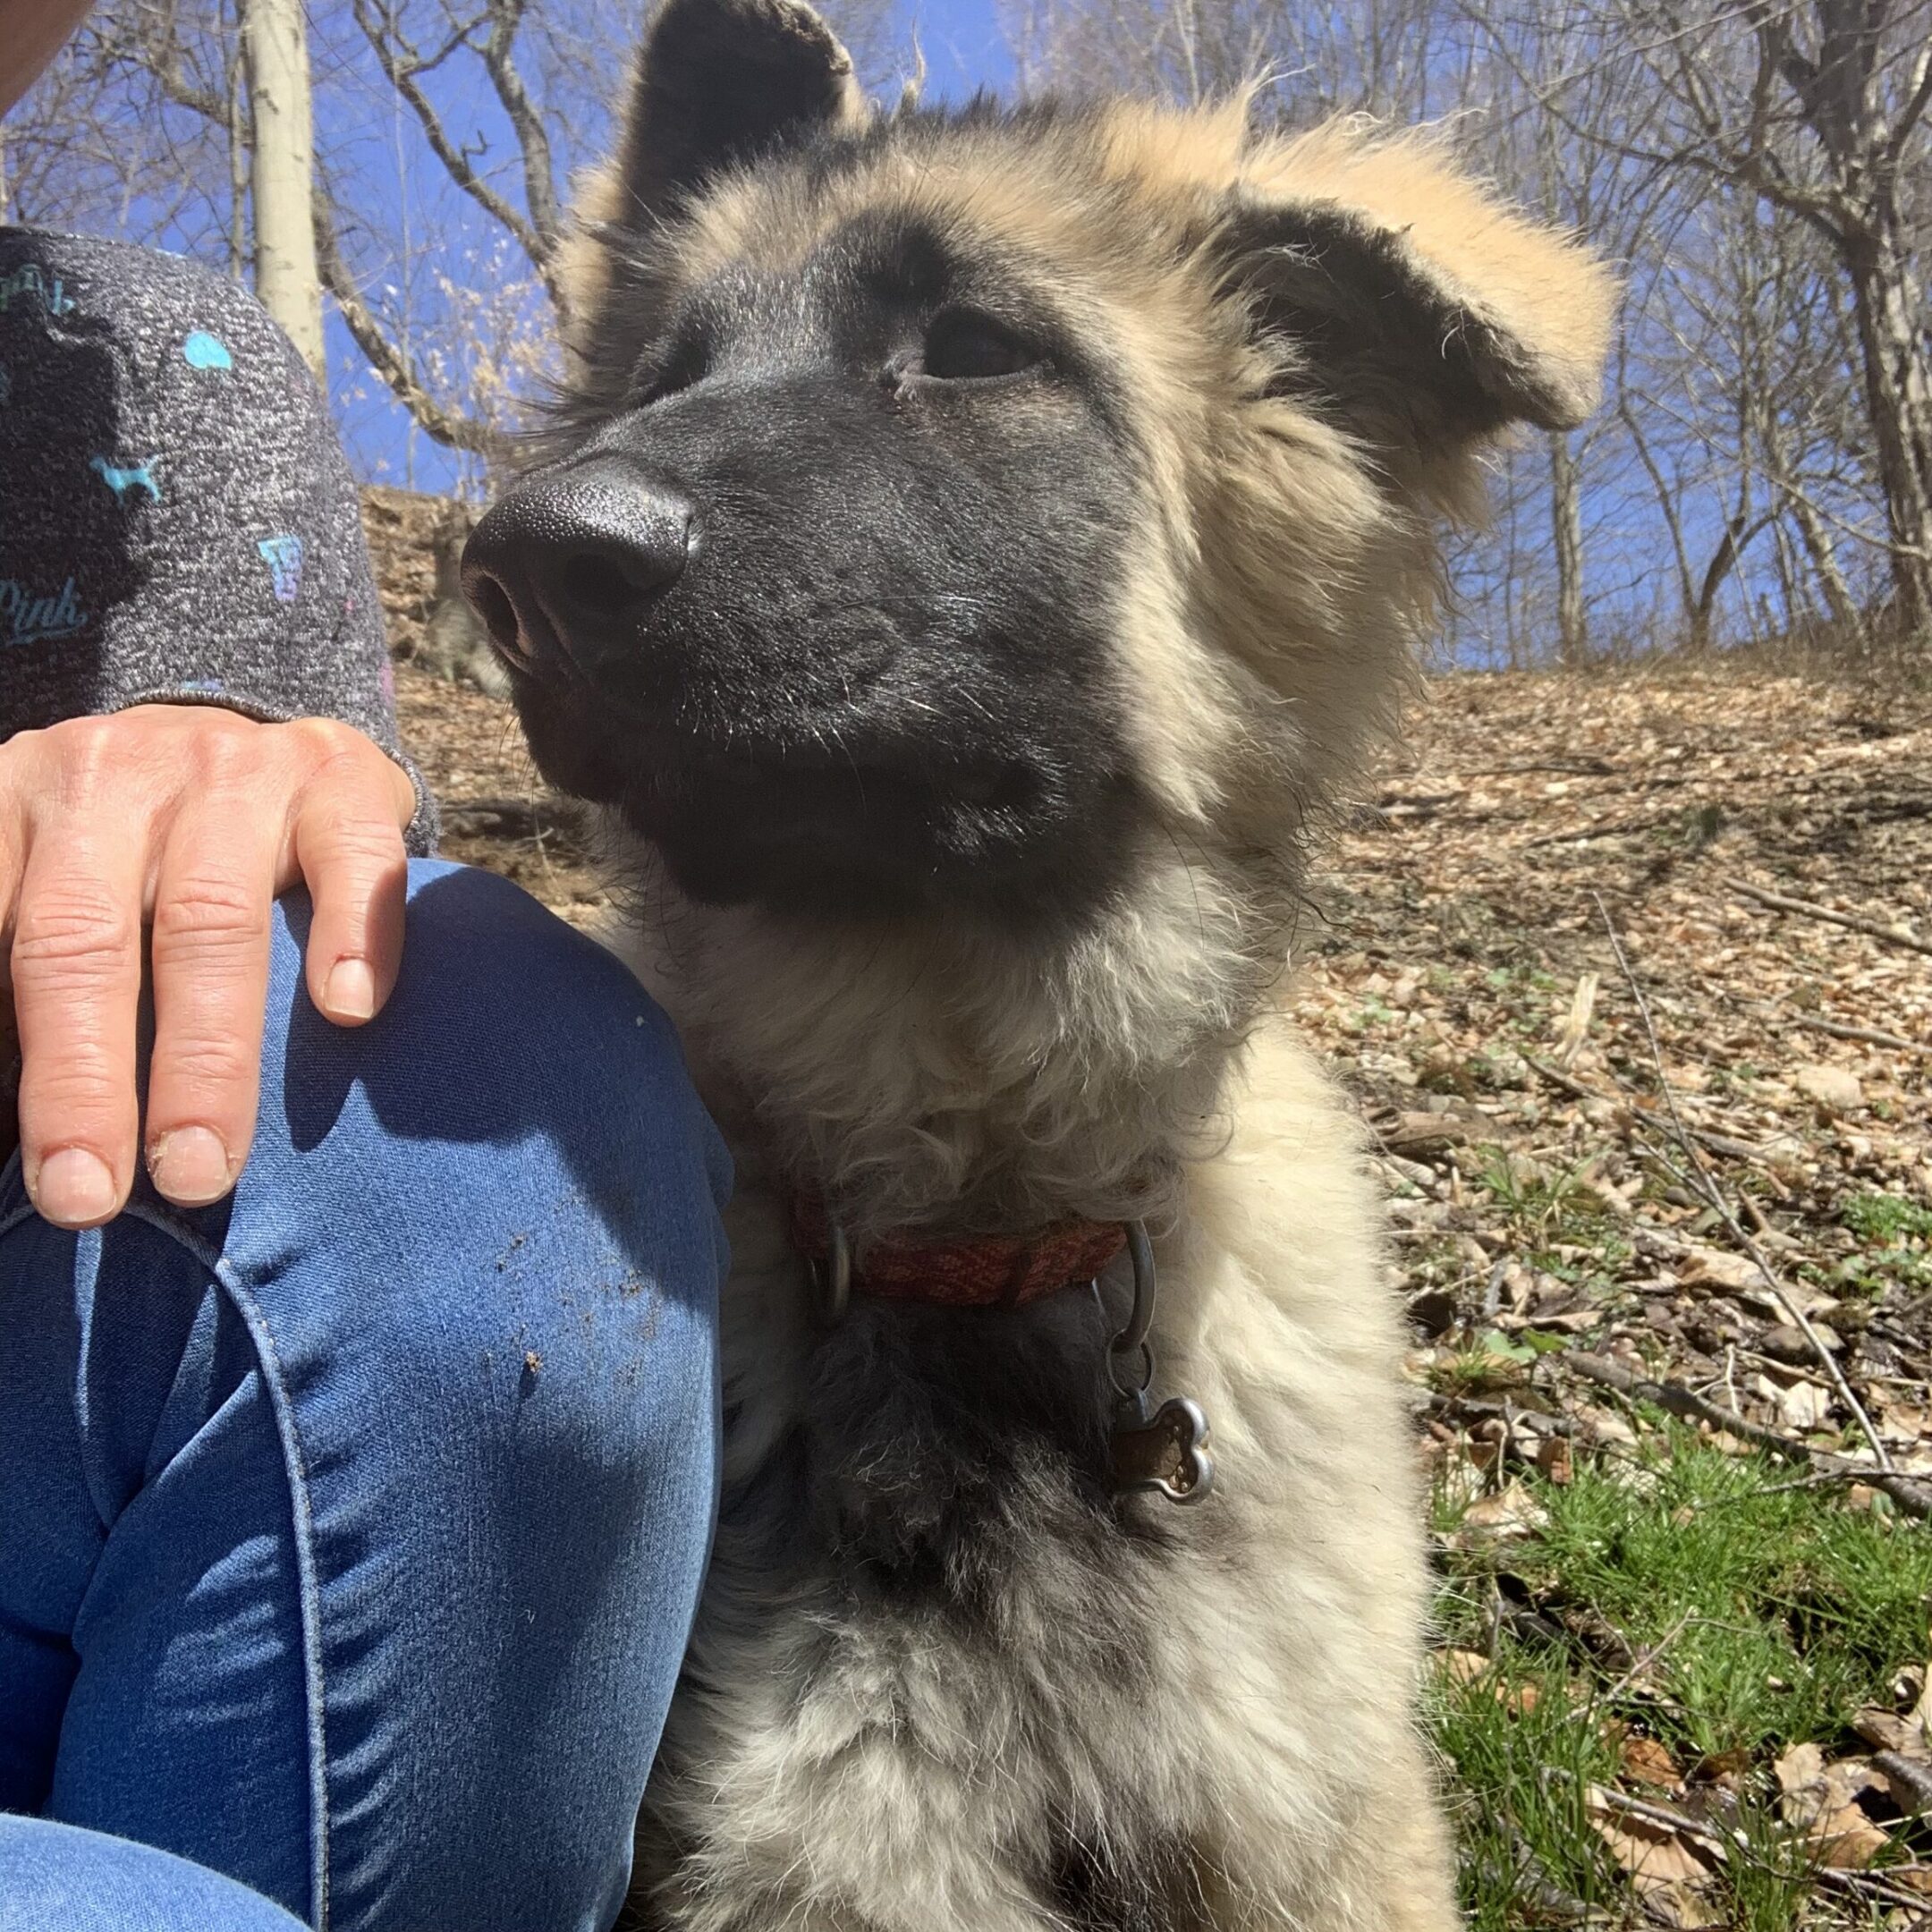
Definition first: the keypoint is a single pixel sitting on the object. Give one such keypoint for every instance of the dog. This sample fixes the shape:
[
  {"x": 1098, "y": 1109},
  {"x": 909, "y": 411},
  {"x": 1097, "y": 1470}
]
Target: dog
[{"x": 974, "y": 550}]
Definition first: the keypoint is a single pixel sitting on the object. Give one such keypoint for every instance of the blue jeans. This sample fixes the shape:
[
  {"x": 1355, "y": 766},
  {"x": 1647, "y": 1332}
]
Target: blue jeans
[{"x": 351, "y": 1530}]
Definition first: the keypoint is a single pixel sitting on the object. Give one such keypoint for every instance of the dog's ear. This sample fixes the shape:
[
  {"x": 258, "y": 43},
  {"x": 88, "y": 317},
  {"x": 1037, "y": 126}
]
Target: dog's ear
[
  {"x": 722, "y": 80},
  {"x": 1421, "y": 313}
]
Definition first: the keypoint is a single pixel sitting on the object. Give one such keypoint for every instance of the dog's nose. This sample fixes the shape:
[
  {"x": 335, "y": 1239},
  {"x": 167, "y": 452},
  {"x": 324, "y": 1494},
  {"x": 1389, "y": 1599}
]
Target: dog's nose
[{"x": 580, "y": 558}]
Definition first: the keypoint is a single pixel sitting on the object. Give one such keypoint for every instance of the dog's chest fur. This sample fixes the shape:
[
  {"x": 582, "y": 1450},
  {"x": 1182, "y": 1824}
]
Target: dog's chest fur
[{"x": 944, "y": 1678}]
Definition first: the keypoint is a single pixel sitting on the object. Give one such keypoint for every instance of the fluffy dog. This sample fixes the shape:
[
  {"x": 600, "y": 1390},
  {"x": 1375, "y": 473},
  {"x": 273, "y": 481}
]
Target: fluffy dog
[{"x": 974, "y": 547}]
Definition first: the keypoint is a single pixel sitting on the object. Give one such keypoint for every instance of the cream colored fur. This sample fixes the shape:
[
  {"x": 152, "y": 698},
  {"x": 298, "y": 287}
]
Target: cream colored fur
[
  {"x": 1225, "y": 1690},
  {"x": 912, "y": 1788}
]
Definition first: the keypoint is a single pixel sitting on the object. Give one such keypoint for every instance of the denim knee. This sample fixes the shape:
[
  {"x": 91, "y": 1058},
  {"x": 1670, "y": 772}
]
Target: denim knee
[{"x": 514, "y": 1180}]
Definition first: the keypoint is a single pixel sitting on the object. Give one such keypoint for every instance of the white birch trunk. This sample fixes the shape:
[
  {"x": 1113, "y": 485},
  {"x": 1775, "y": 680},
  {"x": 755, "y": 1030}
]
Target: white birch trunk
[{"x": 286, "y": 278}]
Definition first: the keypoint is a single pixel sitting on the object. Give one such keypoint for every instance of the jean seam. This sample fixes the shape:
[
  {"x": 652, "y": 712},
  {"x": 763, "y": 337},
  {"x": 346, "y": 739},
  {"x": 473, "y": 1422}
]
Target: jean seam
[{"x": 302, "y": 1524}]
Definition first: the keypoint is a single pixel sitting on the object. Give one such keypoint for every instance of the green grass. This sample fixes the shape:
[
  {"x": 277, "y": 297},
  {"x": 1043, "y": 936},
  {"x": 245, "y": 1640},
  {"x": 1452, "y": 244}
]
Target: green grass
[
  {"x": 1542, "y": 1209},
  {"x": 1775, "y": 1611},
  {"x": 1886, "y": 1218},
  {"x": 1894, "y": 1237}
]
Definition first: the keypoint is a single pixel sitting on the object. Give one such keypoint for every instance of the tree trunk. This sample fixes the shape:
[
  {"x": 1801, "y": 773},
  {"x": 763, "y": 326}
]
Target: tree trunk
[
  {"x": 1898, "y": 396},
  {"x": 1824, "y": 558},
  {"x": 1566, "y": 518},
  {"x": 286, "y": 278}
]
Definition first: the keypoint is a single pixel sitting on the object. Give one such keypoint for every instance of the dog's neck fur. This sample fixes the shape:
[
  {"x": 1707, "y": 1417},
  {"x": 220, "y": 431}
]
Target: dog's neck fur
[{"x": 950, "y": 1080}]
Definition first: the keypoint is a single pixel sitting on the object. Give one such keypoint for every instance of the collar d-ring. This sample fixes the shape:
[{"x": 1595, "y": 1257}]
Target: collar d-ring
[
  {"x": 1141, "y": 1316},
  {"x": 830, "y": 1276}
]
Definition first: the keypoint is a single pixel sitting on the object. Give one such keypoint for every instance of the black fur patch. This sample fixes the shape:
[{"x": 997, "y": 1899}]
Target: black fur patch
[
  {"x": 945, "y": 1445},
  {"x": 718, "y": 83},
  {"x": 1151, "y": 1884},
  {"x": 1395, "y": 353}
]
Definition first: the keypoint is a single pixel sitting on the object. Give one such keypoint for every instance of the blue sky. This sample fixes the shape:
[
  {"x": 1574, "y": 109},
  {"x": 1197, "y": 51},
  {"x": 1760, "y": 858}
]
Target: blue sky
[{"x": 963, "y": 50}]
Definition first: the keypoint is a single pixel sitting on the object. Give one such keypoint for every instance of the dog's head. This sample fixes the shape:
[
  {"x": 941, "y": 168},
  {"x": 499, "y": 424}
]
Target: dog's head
[{"x": 950, "y": 509}]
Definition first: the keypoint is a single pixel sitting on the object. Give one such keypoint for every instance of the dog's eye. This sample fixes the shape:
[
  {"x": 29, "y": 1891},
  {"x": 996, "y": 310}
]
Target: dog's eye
[{"x": 965, "y": 345}]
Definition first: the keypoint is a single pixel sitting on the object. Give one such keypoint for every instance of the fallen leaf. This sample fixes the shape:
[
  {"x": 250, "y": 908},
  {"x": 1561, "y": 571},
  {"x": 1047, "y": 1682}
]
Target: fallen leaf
[
  {"x": 1652, "y": 1854},
  {"x": 1713, "y": 1268},
  {"x": 1606, "y": 1426},
  {"x": 1724, "y": 1769},
  {"x": 1803, "y": 1406},
  {"x": 1509, "y": 1511},
  {"x": 1833, "y": 1087},
  {"x": 1425, "y": 1133},
  {"x": 1819, "y": 1799},
  {"x": 1885, "y": 1731},
  {"x": 1921, "y": 1710},
  {"x": 1649, "y": 1763},
  {"x": 1846, "y": 1840}
]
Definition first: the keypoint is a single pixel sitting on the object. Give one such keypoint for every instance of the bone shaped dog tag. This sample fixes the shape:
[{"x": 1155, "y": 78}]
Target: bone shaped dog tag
[{"x": 1168, "y": 1454}]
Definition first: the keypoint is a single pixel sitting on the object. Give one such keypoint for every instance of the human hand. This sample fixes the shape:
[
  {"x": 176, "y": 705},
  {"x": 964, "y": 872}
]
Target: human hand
[{"x": 189, "y": 819}]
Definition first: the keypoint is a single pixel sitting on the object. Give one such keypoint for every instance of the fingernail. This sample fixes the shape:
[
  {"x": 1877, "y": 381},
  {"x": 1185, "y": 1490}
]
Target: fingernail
[
  {"x": 74, "y": 1189},
  {"x": 189, "y": 1165},
  {"x": 351, "y": 991}
]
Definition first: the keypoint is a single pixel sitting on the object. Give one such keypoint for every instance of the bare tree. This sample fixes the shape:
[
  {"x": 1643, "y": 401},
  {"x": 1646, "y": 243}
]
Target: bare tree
[{"x": 1816, "y": 109}]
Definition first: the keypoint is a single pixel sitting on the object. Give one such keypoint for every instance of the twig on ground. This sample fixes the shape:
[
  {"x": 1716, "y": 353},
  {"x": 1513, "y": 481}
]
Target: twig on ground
[
  {"x": 1568, "y": 1083},
  {"x": 1910, "y": 1782},
  {"x": 1786, "y": 1015},
  {"x": 1664, "y": 1817},
  {"x": 1914, "y": 1497},
  {"x": 1807, "y": 909},
  {"x": 1727, "y": 1843},
  {"x": 1606, "y": 828},
  {"x": 1640, "y": 1661},
  {"x": 1724, "y": 1144},
  {"x": 1727, "y": 1144},
  {"x": 1872, "y": 1885},
  {"x": 1585, "y": 764},
  {"x": 1721, "y": 1202}
]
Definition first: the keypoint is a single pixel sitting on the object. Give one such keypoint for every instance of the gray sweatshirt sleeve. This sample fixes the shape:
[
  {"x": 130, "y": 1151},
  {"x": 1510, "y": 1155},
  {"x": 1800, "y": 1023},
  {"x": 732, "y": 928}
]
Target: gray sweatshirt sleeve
[{"x": 177, "y": 521}]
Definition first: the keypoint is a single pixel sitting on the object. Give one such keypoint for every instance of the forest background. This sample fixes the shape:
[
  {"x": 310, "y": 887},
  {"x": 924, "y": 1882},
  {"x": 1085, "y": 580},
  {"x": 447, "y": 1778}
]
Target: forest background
[{"x": 1761, "y": 170}]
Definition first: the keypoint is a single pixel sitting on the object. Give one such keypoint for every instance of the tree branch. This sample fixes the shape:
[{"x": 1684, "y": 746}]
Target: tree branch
[
  {"x": 448, "y": 427},
  {"x": 533, "y": 144},
  {"x": 1913, "y": 111},
  {"x": 400, "y": 67}
]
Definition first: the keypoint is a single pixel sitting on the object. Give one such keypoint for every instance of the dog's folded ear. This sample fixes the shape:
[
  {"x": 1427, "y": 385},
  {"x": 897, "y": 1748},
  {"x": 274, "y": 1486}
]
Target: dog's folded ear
[
  {"x": 1421, "y": 314},
  {"x": 719, "y": 81}
]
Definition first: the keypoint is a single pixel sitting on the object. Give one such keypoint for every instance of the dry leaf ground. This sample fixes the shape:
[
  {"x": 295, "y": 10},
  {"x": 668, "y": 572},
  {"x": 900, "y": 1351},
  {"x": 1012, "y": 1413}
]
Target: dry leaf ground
[{"x": 1683, "y": 1675}]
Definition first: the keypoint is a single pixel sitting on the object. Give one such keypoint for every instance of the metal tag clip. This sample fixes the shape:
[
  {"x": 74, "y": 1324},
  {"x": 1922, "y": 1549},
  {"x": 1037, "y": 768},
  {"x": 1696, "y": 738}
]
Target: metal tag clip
[{"x": 1164, "y": 1449}]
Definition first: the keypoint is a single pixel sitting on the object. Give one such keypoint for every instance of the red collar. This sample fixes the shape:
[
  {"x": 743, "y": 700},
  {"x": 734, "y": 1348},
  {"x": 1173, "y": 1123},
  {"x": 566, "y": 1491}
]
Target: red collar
[{"x": 987, "y": 1271}]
